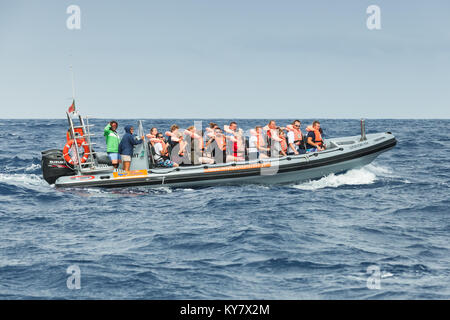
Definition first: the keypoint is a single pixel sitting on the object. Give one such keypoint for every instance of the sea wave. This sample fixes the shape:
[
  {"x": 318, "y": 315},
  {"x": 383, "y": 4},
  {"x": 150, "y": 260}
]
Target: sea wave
[
  {"x": 22, "y": 179},
  {"x": 241, "y": 242}
]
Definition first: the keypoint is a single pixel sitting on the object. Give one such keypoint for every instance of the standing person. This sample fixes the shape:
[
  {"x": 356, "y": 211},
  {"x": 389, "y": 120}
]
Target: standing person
[
  {"x": 314, "y": 140},
  {"x": 126, "y": 146},
  {"x": 112, "y": 143}
]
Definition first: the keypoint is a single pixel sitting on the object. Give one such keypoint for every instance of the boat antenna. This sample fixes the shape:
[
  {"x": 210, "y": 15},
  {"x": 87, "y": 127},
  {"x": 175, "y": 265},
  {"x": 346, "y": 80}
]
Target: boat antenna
[
  {"x": 73, "y": 83},
  {"x": 72, "y": 108}
]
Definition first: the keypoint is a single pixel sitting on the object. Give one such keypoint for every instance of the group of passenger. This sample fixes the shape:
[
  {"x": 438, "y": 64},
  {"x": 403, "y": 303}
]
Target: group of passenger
[{"x": 214, "y": 145}]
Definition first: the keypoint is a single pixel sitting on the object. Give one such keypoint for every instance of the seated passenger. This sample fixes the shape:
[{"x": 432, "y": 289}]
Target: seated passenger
[
  {"x": 152, "y": 135},
  {"x": 283, "y": 143},
  {"x": 191, "y": 138},
  {"x": 273, "y": 141},
  {"x": 235, "y": 142},
  {"x": 257, "y": 146},
  {"x": 295, "y": 138},
  {"x": 161, "y": 152},
  {"x": 202, "y": 155},
  {"x": 210, "y": 129},
  {"x": 177, "y": 144},
  {"x": 219, "y": 145},
  {"x": 314, "y": 140},
  {"x": 195, "y": 143}
]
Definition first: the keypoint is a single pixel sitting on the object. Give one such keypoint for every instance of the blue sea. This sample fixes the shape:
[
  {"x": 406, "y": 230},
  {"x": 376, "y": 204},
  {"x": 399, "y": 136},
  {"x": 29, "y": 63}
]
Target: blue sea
[{"x": 379, "y": 232}]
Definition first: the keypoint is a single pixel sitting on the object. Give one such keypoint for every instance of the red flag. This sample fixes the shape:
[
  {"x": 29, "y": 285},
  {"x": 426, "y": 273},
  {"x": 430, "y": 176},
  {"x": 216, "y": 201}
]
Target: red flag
[{"x": 72, "y": 107}]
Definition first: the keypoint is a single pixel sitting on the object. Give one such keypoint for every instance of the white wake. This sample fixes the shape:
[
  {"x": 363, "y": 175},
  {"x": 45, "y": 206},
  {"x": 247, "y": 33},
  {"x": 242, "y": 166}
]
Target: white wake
[
  {"x": 24, "y": 179},
  {"x": 363, "y": 176}
]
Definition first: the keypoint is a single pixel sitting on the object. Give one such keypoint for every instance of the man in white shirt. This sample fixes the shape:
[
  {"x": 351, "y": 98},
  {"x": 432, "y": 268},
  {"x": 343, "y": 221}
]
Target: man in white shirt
[
  {"x": 293, "y": 147},
  {"x": 161, "y": 151},
  {"x": 291, "y": 139},
  {"x": 256, "y": 145}
]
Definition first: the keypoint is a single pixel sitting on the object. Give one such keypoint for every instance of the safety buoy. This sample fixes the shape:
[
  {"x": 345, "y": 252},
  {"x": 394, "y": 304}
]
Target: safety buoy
[
  {"x": 78, "y": 132},
  {"x": 67, "y": 156}
]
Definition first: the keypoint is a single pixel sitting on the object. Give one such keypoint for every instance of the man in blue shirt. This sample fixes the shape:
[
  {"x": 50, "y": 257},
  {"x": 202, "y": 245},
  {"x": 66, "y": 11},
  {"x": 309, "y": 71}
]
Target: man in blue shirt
[{"x": 314, "y": 140}]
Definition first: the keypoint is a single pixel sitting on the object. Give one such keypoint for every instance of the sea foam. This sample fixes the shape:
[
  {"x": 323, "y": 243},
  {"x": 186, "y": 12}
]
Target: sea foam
[{"x": 362, "y": 176}]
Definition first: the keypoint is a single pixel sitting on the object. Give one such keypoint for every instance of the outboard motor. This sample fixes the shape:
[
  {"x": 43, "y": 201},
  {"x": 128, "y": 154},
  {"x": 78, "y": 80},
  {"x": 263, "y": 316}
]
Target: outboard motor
[{"x": 54, "y": 166}]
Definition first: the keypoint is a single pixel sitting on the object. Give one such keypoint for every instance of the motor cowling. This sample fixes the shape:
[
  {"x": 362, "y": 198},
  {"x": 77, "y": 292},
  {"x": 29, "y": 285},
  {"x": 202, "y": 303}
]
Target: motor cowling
[
  {"x": 54, "y": 166},
  {"x": 102, "y": 158}
]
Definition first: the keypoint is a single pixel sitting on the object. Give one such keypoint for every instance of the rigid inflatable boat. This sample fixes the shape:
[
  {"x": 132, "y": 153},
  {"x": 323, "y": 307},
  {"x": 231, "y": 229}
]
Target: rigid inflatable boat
[{"x": 95, "y": 170}]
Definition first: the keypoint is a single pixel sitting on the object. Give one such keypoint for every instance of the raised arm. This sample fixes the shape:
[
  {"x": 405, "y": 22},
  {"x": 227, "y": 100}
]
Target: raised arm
[{"x": 107, "y": 129}]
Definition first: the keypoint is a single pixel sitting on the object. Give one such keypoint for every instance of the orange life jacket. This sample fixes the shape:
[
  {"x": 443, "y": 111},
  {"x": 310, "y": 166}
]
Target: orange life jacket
[
  {"x": 199, "y": 142},
  {"x": 80, "y": 138},
  {"x": 260, "y": 141},
  {"x": 222, "y": 143},
  {"x": 297, "y": 135},
  {"x": 317, "y": 136},
  {"x": 283, "y": 144},
  {"x": 164, "y": 146}
]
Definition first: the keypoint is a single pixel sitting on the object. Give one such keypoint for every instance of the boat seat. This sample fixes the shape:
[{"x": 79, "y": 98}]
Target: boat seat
[
  {"x": 151, "y": 156},
  {"x": 303, "y": 144},
  {"x": 247, "y": 146},
  {"x": 102, "y": 158}
]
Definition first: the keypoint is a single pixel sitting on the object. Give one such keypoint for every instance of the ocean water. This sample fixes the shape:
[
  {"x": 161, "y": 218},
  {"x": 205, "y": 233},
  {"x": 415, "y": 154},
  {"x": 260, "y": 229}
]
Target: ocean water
[{"x": 309, "y": 240}]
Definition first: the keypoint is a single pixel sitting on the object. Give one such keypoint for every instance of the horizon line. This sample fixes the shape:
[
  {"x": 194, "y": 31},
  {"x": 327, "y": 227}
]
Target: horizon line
[{"x": 359, "y": 118}]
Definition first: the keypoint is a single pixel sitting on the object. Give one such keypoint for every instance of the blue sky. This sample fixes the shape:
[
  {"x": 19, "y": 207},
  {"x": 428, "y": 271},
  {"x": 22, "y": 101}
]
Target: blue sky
[{"x": 226, "y": 59}]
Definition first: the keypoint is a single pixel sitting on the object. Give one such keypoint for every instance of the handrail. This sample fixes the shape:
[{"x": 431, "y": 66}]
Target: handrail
[
  {"x": 76, "y": 164},
  {"x": 89, "y": 140},
  {"x": 92, "y": 162}
]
